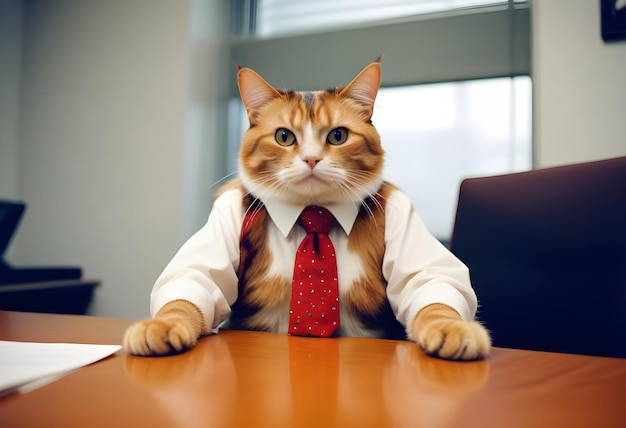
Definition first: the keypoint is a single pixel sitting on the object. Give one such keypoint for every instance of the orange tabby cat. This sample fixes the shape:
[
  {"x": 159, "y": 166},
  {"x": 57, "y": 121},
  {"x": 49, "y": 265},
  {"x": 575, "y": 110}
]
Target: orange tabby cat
[{"x": 313, "y": 148}]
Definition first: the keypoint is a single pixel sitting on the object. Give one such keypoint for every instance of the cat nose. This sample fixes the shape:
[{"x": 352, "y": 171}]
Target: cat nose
[{"x": 311, "y": 161}]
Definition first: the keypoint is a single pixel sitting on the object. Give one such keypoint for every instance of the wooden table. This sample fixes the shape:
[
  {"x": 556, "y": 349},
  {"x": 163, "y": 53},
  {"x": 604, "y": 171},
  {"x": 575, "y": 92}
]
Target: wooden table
[{"x": 250, "y": 379}]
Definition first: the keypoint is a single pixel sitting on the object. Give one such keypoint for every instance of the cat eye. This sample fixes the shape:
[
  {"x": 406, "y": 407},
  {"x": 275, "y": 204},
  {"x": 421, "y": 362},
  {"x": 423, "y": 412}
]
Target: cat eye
[
  {"x": 337, "y": 136},
  {"x": 285, "y": 137}
]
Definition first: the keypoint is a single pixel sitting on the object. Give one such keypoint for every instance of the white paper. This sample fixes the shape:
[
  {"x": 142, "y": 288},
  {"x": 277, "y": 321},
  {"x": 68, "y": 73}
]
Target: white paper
[{"x": 25, "y": 366}]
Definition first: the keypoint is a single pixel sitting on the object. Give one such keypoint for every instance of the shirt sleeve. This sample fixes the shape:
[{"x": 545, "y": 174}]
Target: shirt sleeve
[
  {"x": 204, "y": 270},
  {"x": 419, "y": 270}
]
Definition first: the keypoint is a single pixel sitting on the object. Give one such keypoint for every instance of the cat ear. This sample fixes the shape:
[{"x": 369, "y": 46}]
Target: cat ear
[
  {"x": 364, "y": 87},
  {"x": 255, "y": 92}
]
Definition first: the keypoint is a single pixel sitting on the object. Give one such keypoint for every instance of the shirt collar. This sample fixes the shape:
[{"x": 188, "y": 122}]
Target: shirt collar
[{"x": 286, "y": 215}]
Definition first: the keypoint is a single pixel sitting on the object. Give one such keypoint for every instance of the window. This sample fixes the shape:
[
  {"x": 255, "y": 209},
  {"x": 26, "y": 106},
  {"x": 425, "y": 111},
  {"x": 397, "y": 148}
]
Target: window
[
  {"x": 436, "y": 135},
  {"x": 280, "y": 17}
]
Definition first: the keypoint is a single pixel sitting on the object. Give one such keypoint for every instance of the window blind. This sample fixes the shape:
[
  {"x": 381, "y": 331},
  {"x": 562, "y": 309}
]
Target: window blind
[{"x": 468, "y": 44}]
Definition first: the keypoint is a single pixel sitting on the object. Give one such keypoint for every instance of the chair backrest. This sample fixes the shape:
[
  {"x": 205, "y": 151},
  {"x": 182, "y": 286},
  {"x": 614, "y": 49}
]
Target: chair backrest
[
  {"x": 547, "y": 256},
  {"x": 10, "y": 214}
]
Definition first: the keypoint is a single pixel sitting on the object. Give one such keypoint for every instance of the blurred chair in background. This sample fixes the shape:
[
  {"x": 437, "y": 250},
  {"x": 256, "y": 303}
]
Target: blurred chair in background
[
  {"x": 547, "y": 256},
  {"x": 38, "y": 289}
]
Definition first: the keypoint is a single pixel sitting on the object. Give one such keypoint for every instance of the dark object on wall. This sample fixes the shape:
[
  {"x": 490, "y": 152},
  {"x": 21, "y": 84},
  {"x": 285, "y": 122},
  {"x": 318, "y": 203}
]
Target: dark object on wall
[
  {"x": 546, "y": 251},
  {"x": 613, "y": 20}
]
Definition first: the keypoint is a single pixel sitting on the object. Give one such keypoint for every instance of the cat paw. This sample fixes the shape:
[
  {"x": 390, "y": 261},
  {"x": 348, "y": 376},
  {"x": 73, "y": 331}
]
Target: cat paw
[
  {"x": 455, "y": 340},
  {"x": 441, "y": 333},
  {"x": 159, "y": 337}
]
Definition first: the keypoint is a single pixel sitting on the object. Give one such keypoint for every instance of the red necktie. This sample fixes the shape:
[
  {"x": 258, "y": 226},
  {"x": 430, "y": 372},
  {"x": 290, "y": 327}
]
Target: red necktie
[{"x": 314, "y": 307}]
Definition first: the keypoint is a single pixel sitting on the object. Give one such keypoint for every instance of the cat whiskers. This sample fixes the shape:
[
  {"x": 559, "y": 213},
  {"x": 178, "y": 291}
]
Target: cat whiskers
[
  {"x": 257, "y": 197},
  {"x": 223, "y": 179},
  {"x": 261, "y": 190},
  {"x": 362, "y": 202},
  {"x": 361, "y": 179},
  {"x": 256, "y": 206}
]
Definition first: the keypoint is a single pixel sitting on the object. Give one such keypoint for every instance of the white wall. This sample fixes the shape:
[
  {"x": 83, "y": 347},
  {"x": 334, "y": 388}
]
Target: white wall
[
  {"x": 108, "y": 92},
  {"x": 579, "y": 84},
  {"x": 11, "y": 17}
]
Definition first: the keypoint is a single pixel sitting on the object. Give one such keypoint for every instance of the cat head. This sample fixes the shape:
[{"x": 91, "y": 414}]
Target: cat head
[{"x": 311, "y": 147}]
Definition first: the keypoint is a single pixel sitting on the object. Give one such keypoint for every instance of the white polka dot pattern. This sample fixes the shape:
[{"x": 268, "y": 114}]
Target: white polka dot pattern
[{"x": 314, "y": 307}]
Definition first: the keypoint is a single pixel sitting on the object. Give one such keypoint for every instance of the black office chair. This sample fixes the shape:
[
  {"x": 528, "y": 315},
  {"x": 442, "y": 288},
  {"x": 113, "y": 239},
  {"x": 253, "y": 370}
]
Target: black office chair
[
  {"x": 57, "y": 289},
  {"x": 547, "y": 256},
  {"x": 11, "y": 213}
]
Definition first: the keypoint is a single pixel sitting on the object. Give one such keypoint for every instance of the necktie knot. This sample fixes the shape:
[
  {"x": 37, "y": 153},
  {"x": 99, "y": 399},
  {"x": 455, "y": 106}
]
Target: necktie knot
[{"x": 316, "y": 219}]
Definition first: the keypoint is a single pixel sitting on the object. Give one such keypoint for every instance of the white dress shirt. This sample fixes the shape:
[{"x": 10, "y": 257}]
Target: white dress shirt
[{"x": 418, "y": 269}]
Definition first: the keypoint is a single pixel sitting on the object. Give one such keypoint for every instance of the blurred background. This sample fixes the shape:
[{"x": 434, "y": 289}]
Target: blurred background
[{"x": 119, "y": 118}]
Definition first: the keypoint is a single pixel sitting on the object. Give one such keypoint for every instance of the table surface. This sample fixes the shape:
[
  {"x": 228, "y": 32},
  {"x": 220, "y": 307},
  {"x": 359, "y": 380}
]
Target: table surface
[{"x": 250, "y": 379}]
